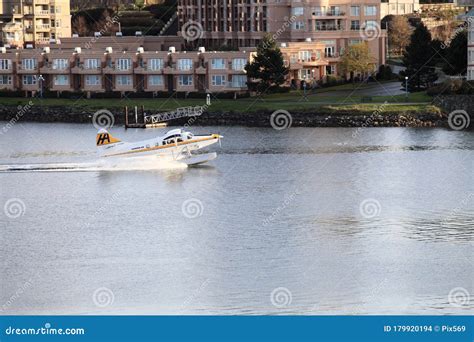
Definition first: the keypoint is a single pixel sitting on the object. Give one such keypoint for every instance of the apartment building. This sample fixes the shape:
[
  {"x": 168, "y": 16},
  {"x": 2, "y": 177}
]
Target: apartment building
[
  {"x": 470, "y": 43},
  {"x": 34, "y": 22},
  {"x": 399, "y": 7},
  {"x": 336, "y": 24},
  {"x": 107, "y": 70}
]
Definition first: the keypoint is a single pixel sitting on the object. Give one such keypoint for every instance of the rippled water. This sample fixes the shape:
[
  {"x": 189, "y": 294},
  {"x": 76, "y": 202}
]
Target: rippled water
[{"x": 301, "y": 221}]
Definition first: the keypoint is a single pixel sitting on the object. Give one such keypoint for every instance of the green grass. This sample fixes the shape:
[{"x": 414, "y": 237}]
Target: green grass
[{"x": 288, "y": 101}]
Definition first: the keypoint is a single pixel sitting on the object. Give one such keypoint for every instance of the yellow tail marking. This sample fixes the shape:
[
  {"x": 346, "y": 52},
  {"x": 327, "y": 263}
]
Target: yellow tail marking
[{"x": 106, "y": 139}]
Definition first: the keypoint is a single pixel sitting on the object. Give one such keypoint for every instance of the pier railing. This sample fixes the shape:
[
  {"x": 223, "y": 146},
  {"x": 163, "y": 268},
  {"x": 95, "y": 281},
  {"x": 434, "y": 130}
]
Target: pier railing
[{"x": 179, "y": 113}]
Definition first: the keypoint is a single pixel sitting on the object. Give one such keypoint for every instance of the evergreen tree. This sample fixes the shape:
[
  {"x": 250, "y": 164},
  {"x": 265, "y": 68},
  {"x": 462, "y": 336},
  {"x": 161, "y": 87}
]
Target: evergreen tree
[
  {"x": 267, "y": 71},
  {"x": 455, "y": 62},
  {"x": 418, "y": 60}
]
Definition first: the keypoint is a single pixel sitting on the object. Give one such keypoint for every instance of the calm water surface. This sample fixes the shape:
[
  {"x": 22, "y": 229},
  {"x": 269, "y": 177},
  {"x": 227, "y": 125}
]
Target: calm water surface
[{"x": 301, "y": 221}]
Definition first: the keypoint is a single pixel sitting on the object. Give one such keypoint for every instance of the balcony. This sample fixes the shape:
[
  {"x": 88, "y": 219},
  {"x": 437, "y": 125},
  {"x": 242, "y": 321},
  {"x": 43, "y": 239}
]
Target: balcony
[
  {"x": 329, "y": 28},
  {"x": 333, "y": 13},
  {"x": 331, "y": 55},
  {"x": 79, "y": 69},
  {"x": 42, "y": 13},
  {"x": 43, "y": 27}
]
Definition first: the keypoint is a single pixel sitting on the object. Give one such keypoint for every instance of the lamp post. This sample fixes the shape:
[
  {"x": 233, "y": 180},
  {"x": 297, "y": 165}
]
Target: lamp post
[
  {"x": 406, "y": 88},
  {"x": 40, "y": 81}
]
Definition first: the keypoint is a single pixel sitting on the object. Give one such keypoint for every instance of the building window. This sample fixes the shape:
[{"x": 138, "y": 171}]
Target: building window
[
  {"x": 5, "y": 80},
  {"x": 29, "y": 63},
  {"x": 185, "y": 64},
  {"x": 334, "y": 10},
  {"x": 185, "y": 80},
  {"x": 371, "y": 24},
  {"x": 330, "y": 69},
  {"x": 354, "y": 41},
  {"x": 370, "y": 10},
  {"x": 124, "y": 80},
  {"x": 5, "y": 64},
  {"x": 91, "y": 63},
  {"x": 124, "y": 64},
  {"x": 155, "y": 80},
  {"x": 239, "y": 81},
  {"x": 305, "y": 56},
  {"x": 305, "y": 74},
  {"x": 218, "y": 63},
  {"x": 298, "y": 25},
  {"x": 29, "y": 79},
  {"x": 355, "y": 11},
  {"x": 355, "y": 25},
  {"x": 239, "y": 63},
  {"x": 61, "y": 80},
  {"x": 318, "y": 11},
  {"x": 60, "y": 64},
  {"x": 330, "y": 51},
  {"x": 92, "y": 80},
  {"x": 155, "y": 64},
  {"x": 218, "y": 80},
  {"x": 297, "y": 11}
]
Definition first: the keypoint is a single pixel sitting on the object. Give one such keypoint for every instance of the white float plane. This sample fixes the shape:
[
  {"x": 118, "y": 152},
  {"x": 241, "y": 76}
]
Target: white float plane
[{"x": 177, "y": 144}]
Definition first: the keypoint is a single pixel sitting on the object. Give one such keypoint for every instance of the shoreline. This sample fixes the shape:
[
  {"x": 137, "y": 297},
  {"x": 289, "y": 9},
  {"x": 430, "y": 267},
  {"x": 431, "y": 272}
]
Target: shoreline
[{"x": 319, "y": 117}]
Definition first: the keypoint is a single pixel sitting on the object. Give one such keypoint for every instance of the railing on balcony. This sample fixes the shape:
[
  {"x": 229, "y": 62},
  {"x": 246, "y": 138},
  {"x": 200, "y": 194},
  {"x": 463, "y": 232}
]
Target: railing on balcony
[
  {"x": 328, "y": 28},
  {"x": 42, "y": 12},
  {"x": 335, "y": 13},
  {"x": 42, "y": 26},
  {"x": 331, "y": 55},
  {"x": 42, "y": 40}
]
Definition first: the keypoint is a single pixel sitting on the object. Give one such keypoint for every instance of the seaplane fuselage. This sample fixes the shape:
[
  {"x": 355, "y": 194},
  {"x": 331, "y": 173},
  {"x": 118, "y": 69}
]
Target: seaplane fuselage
[{"x": 176, "y": 143}]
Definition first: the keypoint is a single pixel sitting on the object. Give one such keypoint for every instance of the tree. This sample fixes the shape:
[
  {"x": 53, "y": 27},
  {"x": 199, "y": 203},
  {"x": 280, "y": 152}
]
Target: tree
[
  {"x": 139, "y": 4},
  {"x": 356, "y": 59},
  {"x": 267, "y": 71},
  {"x": 455, "y": 62},
  {"x": 399, "y": 31},
  {"x": 418, "y": 60}
]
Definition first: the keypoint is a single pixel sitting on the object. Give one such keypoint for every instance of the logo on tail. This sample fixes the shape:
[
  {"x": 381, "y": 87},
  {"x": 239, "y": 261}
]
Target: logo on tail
[{"x": 105, "y": 138}]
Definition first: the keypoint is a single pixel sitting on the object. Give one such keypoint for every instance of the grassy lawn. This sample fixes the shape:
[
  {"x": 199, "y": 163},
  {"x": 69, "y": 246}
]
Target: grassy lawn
[{"x": 289, "y": 101}]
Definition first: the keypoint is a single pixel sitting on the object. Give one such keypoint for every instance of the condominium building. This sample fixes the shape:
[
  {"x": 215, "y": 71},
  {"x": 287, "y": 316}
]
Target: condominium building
[
  {"x": 119, "y": 68},
  {"x": 336, "y": 24},
  {"x": 34, "y": 21},
  {"x": 470, "y": 43},
  {"x": 107, "y": 70}
]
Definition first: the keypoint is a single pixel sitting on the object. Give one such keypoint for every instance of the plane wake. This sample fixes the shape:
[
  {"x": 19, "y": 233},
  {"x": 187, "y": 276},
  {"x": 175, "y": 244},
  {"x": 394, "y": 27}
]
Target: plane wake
[{"x": 144, "y": 163}]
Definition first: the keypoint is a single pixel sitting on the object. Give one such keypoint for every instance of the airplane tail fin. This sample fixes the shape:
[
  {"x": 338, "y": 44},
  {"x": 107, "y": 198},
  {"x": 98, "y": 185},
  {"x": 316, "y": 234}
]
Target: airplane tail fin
[{"x": 105, "y": 138}]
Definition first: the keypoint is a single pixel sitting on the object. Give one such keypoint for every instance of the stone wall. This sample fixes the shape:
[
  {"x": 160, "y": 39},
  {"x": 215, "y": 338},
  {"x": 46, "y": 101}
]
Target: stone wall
[{"x": 319, "y": 118}]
